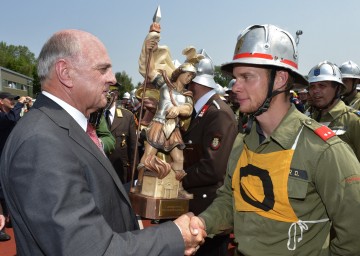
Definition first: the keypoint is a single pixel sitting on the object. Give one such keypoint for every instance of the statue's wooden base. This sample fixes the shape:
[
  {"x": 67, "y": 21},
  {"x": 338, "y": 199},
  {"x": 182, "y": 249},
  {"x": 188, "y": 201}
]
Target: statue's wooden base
[{"x": 158, "y": 208}]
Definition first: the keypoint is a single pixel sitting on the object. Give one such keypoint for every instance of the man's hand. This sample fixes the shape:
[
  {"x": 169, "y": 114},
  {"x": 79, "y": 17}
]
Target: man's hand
[
  {"x": 2, "y": 221},
  {"x": 192, "y": 230},
  {"x": 25, "y": 99}
]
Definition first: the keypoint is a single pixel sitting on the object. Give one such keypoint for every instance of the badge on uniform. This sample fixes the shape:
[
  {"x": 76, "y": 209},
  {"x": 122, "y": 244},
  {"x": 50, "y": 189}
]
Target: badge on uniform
[
  {"x": 324, "y": 132},
  {"x": 215, "y": 143},
  {"x": 118, "y": 112}
]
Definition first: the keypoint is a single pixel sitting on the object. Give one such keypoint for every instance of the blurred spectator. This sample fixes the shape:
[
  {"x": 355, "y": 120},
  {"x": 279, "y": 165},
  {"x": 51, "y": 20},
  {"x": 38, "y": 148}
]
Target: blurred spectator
[
  {"x": 294, "y": 99},
  {"x": 10, "y": 112}
]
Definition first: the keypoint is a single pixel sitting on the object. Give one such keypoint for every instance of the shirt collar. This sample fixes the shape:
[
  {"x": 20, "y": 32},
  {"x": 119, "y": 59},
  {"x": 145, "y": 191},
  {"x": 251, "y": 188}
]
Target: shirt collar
[
  {"x": 283, "y": 135},
  {"x": 202, "y": 100},
  {"x": 76, "y": 114}
]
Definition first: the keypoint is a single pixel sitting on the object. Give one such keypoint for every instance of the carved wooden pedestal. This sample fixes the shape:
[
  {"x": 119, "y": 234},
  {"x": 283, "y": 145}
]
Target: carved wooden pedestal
[
  {"x": 158, "y": 198},
  {"x": 158, "y": 208}
]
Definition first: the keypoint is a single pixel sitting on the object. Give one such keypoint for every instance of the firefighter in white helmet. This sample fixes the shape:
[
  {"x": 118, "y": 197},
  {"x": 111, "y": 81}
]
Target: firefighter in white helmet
[
  {"x": 326, "y": 88},
  {"x": 126, "y": 102},
  {"x": 289, "y": 179},
  {"x": 351, "y": 78}
]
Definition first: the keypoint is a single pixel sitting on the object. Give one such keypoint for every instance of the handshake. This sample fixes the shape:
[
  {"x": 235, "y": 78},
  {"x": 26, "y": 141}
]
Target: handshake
[{"x": 193, "y": 232}]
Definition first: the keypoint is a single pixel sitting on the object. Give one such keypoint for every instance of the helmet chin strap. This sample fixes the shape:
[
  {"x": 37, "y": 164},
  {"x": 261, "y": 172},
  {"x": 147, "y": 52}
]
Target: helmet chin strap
[{"x": 266, "y": 104}]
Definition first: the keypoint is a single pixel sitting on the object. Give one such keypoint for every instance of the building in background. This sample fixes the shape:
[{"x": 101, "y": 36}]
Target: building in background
[{"x": 15, "y": 83}]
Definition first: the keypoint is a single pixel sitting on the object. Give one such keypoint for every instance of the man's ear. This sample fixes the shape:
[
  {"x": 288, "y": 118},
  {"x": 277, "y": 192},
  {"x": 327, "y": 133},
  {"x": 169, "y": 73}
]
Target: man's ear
[
  {"x": 281, "y": 79},
  {"x": 62, "y": 68}
]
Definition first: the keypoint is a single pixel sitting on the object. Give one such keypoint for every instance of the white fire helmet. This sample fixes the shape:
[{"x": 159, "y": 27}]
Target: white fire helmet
[
  {"x": 326, "y": 71},
  {"x": 267, "y": 45},
  {"x": 302, "y": 91},
  {"x": 126, "y": 96},
  {"x": 205, "y": 71},
  {"x": 231, "y": 84},
  {"x": 220, "y": 90},
  {"x": 350, "y": 69}
]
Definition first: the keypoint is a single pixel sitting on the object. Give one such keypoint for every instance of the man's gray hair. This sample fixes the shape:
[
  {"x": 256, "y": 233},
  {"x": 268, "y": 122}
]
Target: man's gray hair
[{"x": 61, "y": 45}]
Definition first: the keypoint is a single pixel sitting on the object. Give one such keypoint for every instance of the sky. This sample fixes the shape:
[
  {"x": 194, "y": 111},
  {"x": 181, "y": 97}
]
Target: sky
[{"x": 330, "y": 28}]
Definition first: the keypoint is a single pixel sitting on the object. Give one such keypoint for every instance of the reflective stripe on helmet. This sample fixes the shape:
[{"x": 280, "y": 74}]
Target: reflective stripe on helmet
[{"x": 263, "y": 56}]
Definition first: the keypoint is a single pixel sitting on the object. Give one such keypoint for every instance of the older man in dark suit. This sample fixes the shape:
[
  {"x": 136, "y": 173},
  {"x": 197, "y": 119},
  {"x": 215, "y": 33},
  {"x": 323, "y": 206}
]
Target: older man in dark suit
[{"x": 62, "y": 192}]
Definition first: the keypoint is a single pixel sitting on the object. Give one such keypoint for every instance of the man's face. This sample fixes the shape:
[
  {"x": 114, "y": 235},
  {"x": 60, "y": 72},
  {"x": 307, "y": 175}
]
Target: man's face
[
  {"x": 303, "y": 96},
  {"x": 322, "y": 93},
  {"x": 7, "y": 104},
  {"x": 92, "y": 77},
  {"x": 250, "y": 87},
  {"x": 349, "y": 84}
]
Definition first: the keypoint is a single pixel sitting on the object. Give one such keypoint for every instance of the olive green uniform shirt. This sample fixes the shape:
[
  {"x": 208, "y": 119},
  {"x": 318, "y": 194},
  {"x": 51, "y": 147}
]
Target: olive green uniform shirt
[
  {"x": 107, "y": 139},
  {"x": 324, "y": 182},
  {"x": 354, "y": 102},
  {"x": 345, "y": 122}
]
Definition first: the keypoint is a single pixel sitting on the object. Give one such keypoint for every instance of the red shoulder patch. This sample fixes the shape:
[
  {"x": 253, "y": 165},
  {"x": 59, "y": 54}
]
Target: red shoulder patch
[{"x": 324, "y": 132}]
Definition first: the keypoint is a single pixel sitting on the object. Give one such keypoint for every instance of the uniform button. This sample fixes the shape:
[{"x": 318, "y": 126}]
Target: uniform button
[
  {"x": 204, "y": 196},
  {"x": 308, "y": 122}
]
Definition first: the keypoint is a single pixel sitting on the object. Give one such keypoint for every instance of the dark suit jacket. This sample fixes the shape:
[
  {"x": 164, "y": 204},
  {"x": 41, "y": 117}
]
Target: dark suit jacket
[
  {"x": 64, "y": 196},
  {"x": 124, "y": 131},
  {"x": 212, "y": 136}
]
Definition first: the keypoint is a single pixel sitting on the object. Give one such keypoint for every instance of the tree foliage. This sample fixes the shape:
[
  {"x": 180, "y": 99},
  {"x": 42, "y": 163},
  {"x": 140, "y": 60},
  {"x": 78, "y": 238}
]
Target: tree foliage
[
  {"x": 20, "y": 59},
  {"x": 125, "y": 81},
  {"x": 17, "y": 58},
  {"x": 220, "y": 78}
]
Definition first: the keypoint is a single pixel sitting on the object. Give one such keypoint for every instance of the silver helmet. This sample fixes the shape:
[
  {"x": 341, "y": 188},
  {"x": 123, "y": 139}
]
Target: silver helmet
[
  {"x": 350, "y": 69},
  {"x": 126, "y": 96},
  {"x": 231, "y": 84},
  {"x": 326, "y": 71},
  {"x": 220, "y": 90},
  {"x": 267, "y": 45},
  {"x": 205, "y": 71}
]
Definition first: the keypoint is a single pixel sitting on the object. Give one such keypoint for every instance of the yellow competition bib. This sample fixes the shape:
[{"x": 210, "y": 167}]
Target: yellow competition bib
[{"x": 260, "y": 184}]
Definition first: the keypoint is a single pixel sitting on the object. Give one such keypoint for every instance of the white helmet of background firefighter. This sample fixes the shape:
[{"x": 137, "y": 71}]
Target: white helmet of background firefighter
[
  {"x": 327, "y": 71},
  {"x": 126, "y": 96},
  {"x": 205, "y": 71},
  {"x": 230, "y": 85},
  {"x": 267, "y": 46},
  {"x": 350, "y": 69},
  {"x": 133, "y": 99}
]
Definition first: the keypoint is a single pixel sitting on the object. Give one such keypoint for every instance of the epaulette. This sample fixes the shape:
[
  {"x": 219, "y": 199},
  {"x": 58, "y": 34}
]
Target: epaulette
[
  {"x": 322, "y": 131},
  {"x": 355, "y": 111},
  {"x": 124, "y": 109},
  {"x": 216, "y": 104}
]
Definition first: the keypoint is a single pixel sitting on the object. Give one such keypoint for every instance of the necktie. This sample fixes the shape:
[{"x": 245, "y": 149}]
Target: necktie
[
  {"x": 107, "y": 117},
  {"x": 193, "y": 115},
  {"x": 92, "y": 133}
]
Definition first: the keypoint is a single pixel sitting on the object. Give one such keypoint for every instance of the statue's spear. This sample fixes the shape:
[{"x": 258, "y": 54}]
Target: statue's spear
[{"x": 155, "y": 27}]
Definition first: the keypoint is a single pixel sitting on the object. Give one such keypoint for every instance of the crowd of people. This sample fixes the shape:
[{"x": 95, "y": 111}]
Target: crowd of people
[{"x": 272, "y": 159}]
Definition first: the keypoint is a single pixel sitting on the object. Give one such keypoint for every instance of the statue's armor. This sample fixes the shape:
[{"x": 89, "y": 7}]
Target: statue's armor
[{"x": 165, "y": 102}]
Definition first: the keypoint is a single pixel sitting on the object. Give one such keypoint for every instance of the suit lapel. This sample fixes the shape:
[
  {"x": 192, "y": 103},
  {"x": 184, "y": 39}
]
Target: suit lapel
[{"x": 76, "y": 133}]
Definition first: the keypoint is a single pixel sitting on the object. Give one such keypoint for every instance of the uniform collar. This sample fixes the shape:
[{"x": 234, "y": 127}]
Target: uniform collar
[
  {"x": 337, "y": 110},
  {"x": 203, "y": 100},
  {"x": 283, "y": 135}
]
